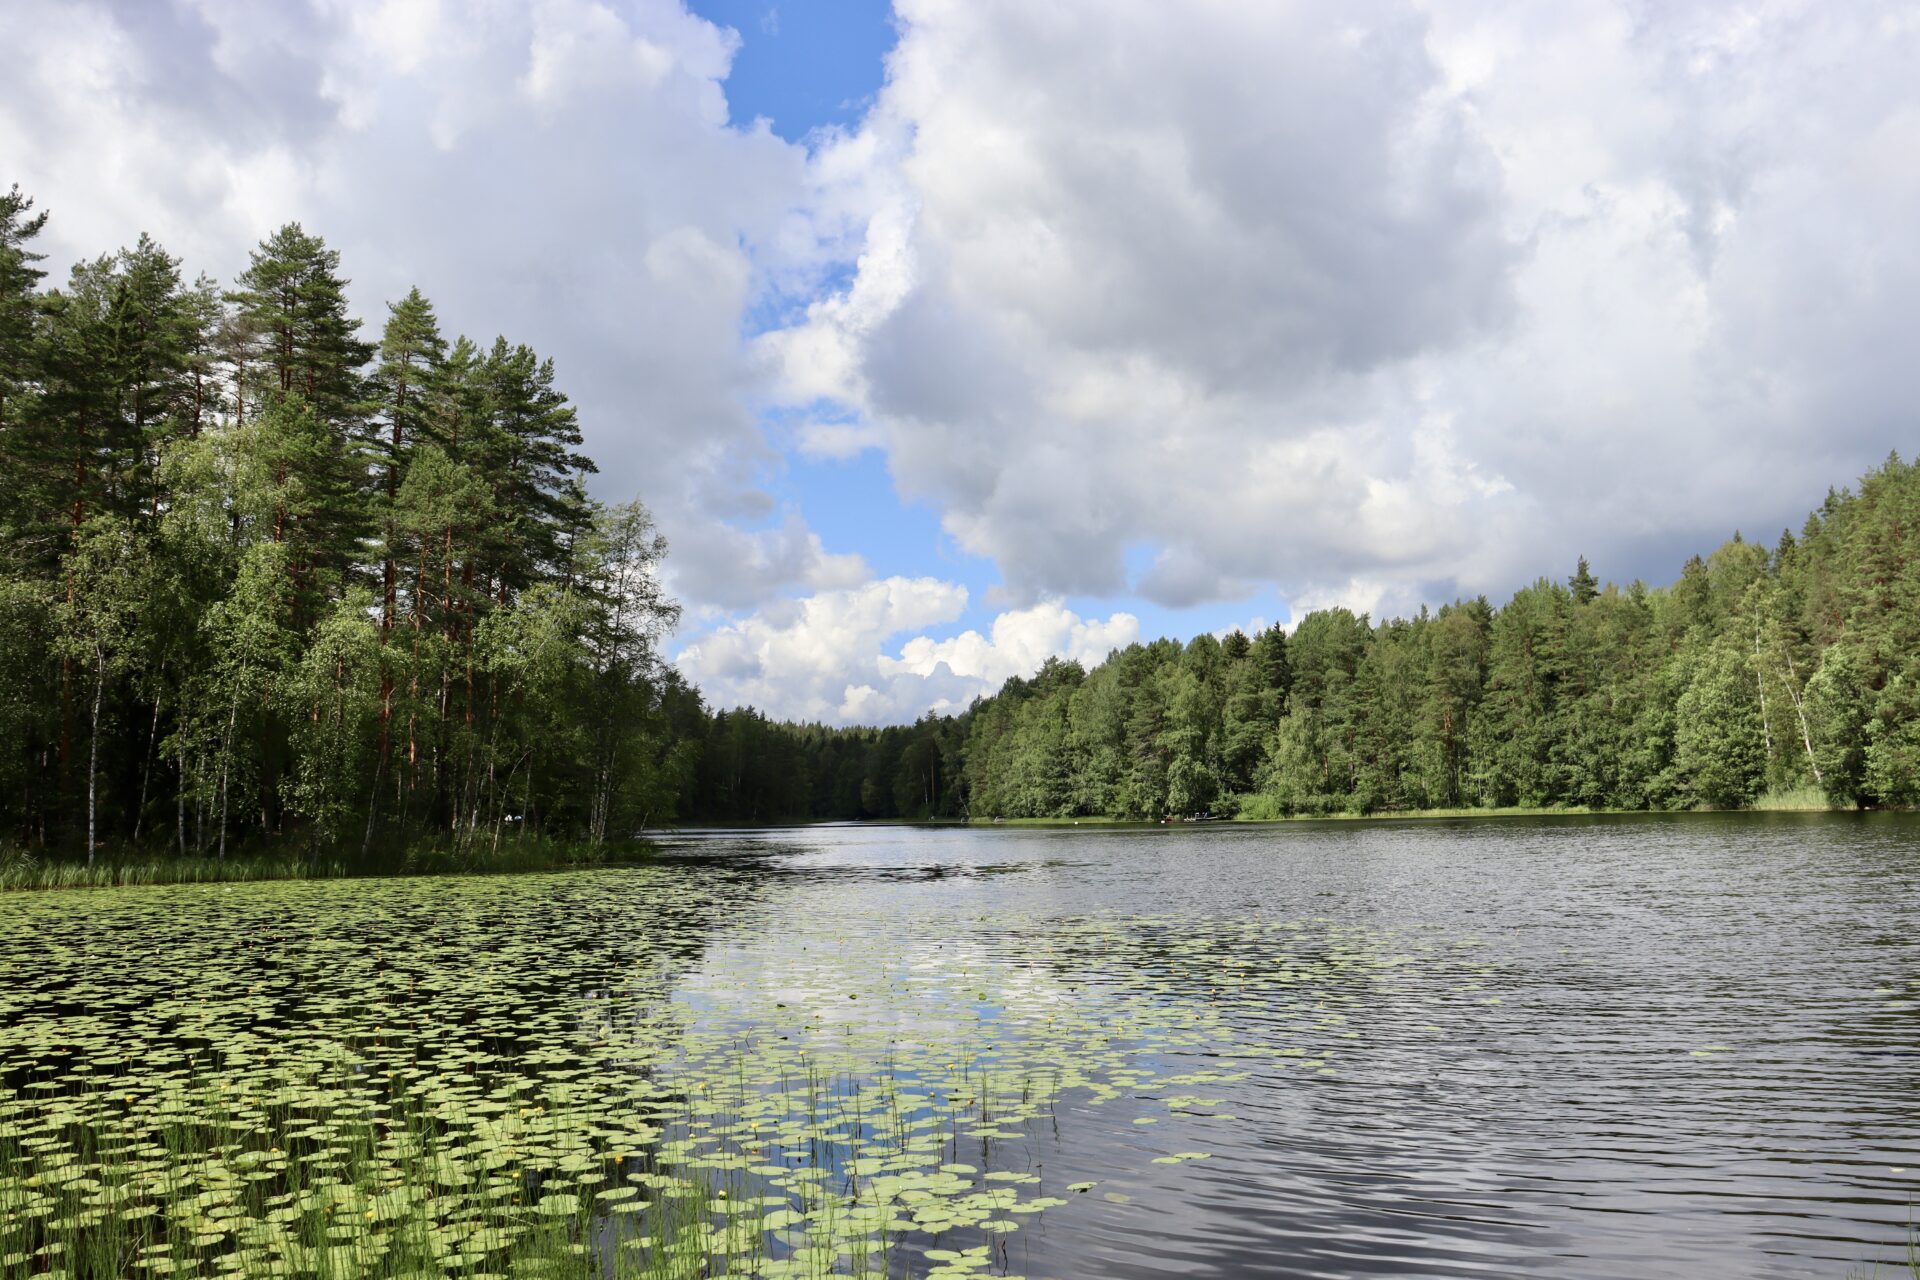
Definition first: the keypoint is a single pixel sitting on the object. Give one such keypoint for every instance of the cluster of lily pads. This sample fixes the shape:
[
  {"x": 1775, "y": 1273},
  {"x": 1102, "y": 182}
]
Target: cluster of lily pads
[{"x": 642, "y": 1072}]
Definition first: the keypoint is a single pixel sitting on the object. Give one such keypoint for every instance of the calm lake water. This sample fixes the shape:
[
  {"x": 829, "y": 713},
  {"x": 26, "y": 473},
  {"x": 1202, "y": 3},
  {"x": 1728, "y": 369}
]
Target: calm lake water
[
  {"x": 1704, "y": 1058},
  {"x": 1592, "y": 1047}
]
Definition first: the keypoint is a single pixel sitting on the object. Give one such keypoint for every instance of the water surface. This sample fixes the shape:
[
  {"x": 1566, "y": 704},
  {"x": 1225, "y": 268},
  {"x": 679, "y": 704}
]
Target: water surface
[
  {"x": 1704, "y": 1058},
  {"x": 1592, "y": 1047}
]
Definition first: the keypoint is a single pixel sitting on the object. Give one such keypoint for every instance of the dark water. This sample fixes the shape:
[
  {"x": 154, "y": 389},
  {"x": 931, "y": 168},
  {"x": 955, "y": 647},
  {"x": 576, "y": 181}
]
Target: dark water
[{"x": 1691, "y": 1046}]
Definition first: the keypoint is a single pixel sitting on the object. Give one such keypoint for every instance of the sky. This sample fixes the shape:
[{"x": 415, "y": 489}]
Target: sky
[{"x": 943, "y": 336}]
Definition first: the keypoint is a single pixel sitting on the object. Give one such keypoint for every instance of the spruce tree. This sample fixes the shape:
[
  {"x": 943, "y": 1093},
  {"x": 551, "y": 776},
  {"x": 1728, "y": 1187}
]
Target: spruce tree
[{"x": 1583, "y": 584}]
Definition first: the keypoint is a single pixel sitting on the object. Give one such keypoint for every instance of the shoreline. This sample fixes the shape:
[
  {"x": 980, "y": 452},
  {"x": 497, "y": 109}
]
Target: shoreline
[
  {"x": 1407, "y": 815},
  {"x": 28, "y": 874},
  {"x": 34, "y": 873}
]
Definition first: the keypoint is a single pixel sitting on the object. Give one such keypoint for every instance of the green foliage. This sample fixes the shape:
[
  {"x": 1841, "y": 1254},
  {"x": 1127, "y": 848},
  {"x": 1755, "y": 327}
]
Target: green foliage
[
  {"x": 262, "y": 592},
  {"x": 337, "y": 683},
  {"x": 1838, "y": 706},
  {"x": 1718, "y": 747},
  {"x": 1893, "y": 739},
  {"x": 1781, "y": 674}
]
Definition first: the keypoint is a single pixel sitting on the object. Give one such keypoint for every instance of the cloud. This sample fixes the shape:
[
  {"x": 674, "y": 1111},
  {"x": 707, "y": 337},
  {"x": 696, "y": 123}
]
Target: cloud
[
  {"x": 562, "y": 171},
  {"x": 823, "y": 657},
  {"x": 742, "y": 569},
  {"x": 1019, "y": 641},
  {"x": 835, "y": 440},
  {"x": 1371, "y": 303},
  {"x": 1367, "y": 304}
]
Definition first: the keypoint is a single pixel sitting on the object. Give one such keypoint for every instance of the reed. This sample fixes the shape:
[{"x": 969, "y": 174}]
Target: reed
[{"x": 20, "y": 869}]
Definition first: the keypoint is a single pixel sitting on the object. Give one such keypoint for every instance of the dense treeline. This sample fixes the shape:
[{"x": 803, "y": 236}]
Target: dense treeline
[
  {"x": 261, "y": 578},
  {"x": 747, "y": 768},
  {"x": 1795, "y": 669}
]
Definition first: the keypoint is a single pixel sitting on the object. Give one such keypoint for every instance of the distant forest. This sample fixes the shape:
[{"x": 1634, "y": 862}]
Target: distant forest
[
  {"x": 264, "y": 580},
  {"x": 1790, "y": 670}
]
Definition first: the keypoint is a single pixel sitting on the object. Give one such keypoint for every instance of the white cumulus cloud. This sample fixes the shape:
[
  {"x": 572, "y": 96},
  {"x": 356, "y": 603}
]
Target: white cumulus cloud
[{"x": 824, "y": 657}]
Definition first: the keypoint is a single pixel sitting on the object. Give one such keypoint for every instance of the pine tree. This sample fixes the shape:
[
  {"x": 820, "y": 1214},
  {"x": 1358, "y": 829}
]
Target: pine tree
[
  {"x": 19, "y": 304},
  {"x": 296, "y": 335},
  {"x": 527, "y": 452},
  {"x": 407, "y": 381},
  {"x": 410, "y": 388},
  {"x": 119, "y": 381}
]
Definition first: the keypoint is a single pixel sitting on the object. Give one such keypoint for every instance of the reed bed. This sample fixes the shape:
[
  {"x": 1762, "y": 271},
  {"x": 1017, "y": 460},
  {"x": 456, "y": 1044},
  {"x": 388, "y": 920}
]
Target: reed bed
[{"x": 21, "y": 870}]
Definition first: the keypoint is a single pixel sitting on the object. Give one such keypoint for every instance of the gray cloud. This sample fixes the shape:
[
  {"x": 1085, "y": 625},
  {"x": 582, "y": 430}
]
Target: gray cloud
[{"x": 1373, "y": 302}]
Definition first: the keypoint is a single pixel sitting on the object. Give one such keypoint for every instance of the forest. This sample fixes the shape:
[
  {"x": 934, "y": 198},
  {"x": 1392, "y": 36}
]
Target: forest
[
  {"x": 269, "y": 581},
  {"x": 264, "y": 579}
]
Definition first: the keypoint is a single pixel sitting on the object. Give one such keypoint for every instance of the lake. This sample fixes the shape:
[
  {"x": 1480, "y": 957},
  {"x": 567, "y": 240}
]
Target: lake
[{"x": 1652, "y": 1045}]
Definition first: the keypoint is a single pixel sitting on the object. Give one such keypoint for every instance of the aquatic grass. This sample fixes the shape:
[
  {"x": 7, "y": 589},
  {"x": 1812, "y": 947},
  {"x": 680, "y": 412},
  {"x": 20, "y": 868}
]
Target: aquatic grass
[
  {"x": 1909, "y": 1266},
  {"x": 1808, "y": 799}
]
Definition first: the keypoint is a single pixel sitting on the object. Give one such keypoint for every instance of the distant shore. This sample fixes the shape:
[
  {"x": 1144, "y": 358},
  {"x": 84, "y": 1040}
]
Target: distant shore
[
  {"x": 1784, "y": 804},
  {"x": 1790, "y": 803}
]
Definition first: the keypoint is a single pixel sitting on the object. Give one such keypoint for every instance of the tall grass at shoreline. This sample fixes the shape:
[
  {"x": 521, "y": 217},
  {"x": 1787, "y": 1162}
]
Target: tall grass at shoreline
[
  {"x": 1807, "y": 799},
  {"x": 1907, "y": 1267},
  {"x": 20, "y": 869}
]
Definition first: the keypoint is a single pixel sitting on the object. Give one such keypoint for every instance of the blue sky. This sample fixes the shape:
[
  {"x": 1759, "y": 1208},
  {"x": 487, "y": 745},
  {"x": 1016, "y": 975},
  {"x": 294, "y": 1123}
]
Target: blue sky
[
  {"x": 1028, "y": 329},
  {"x": 803, "y": 65}
]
